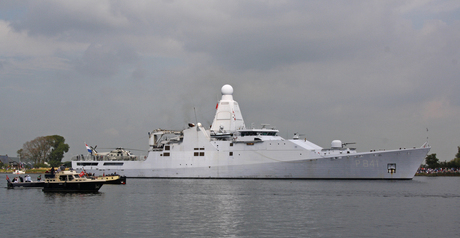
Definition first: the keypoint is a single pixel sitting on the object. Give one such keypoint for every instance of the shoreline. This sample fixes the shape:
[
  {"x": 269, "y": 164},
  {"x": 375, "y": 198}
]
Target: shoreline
[
  {"x": 29, "y": 171},
  {"x": 438, "y": 174}
]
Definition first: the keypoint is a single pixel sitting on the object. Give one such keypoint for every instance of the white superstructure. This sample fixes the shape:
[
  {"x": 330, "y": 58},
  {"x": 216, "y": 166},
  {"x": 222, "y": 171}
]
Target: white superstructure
[{"x": 230, "y": 150}]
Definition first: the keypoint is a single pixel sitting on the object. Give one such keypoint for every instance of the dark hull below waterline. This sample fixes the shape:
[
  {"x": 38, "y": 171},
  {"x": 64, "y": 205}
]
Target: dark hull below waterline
[
  {"x": 79, "y": 187},
  {"x": 121, "y": 180}
]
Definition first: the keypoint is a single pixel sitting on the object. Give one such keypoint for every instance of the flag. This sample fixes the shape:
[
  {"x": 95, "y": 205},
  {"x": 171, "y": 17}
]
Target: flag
[
  {"x": 81, "y": 174},
  {"x": 88, "y": 149}
]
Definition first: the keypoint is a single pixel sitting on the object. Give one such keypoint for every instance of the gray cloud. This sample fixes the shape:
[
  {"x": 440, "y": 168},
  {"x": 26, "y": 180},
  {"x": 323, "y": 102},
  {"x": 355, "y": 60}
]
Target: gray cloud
[
  {"x": 375, "y": 72},
  {"x": 105, "y": 61}
]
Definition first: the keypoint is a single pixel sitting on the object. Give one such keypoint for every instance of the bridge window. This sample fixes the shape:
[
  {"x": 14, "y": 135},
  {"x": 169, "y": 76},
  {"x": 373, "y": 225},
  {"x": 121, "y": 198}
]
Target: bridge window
[
  {"x": 113, "y": 163},
  {"x": 87, "y": 164}
]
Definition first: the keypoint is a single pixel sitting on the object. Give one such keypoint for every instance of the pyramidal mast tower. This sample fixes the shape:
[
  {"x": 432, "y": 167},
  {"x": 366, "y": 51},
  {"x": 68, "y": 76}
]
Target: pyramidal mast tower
[{"x": 228, "y": 116}]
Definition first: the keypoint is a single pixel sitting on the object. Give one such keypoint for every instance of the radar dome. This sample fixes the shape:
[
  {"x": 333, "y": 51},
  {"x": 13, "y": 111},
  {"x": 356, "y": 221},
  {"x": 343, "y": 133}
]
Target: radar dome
[
  {"x": 227, "y": 89},
  {"x": 336, "y": 144}
]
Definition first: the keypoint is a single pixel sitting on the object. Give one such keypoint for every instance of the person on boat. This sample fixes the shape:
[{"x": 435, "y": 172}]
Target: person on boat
[
  {"x": 62, "y": 167},
  {"x": 28, "y": 179},
  {"x": 39, "y": 177},
  {"x": 50, "y": 174},
  {"x": 15, "y": 180},
  {"x": 21, "y": 179}
]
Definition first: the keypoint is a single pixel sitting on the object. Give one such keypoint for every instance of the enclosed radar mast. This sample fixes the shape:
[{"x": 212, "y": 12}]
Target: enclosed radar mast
[{"x": 228, "y": 116}]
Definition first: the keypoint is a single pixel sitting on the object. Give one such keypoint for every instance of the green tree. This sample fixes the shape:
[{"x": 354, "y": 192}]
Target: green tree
[
  {"x": 432, "y": 161},
  {"x": 58, "y": 148},
  {"x": 44, "y": 149},
  {"x": 456, "y": 163},
  {"x": 36, "y": 150}
]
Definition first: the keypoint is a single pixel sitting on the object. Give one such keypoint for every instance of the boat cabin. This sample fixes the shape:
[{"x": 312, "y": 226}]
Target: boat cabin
[{"x": 65, "y": 176}]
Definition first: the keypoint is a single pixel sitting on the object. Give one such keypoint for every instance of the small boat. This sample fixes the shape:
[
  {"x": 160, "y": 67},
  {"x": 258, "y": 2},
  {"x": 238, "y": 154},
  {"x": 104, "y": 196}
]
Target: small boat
[
  {"x": 37, "y": 184},
  {"x": 18, "y": 172},
  {"x": 25, "y": 184},
  {"x": 112, "y": 179},
  {"x": 71, "y": 182}
]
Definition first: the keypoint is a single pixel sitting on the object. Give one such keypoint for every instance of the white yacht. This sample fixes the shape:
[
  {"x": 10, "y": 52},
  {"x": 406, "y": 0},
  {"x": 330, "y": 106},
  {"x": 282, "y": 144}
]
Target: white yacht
[{"x": 228, "y": 149}]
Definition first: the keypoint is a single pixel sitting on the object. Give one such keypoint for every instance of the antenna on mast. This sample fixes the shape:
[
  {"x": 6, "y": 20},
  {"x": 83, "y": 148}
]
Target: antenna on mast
[
  {"x": 196, "y": 120},
  {"x": 427, "y": 135}
]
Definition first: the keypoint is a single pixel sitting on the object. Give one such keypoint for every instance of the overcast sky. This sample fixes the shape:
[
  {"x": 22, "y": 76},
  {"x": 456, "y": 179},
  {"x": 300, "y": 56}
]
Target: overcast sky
[{"x": 378, "y": 73}]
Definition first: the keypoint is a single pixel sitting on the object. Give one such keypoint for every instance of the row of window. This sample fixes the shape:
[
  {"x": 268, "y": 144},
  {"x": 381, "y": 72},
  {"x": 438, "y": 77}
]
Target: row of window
[
  {"x": 169, "y": 147},
  {"x": 95, "y": 163},
  {"x": 87, "y": 164},
  {"x": 258, "y": 133},
  {"x": 194, "y": 154},
  {"x": 231, "y": 144}
]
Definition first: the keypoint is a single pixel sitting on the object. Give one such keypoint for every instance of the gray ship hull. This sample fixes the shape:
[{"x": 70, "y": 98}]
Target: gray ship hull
[
  {"x": 397, "y": 164},
  {"x": 228, "y": 149}
]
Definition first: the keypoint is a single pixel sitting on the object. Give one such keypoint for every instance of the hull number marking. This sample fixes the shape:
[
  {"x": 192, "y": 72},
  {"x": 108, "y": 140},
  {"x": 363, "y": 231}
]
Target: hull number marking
[{"x": 366, "y": 163}]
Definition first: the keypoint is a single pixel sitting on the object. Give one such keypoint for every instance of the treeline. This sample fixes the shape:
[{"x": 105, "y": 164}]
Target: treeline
[
  {"x": 433, "y": 162},
  {"x": 43, "y": 149}
]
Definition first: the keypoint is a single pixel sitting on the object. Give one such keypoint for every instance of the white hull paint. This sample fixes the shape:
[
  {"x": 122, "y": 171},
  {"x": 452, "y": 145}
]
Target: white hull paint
[{"x": 229, "y": 150}]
